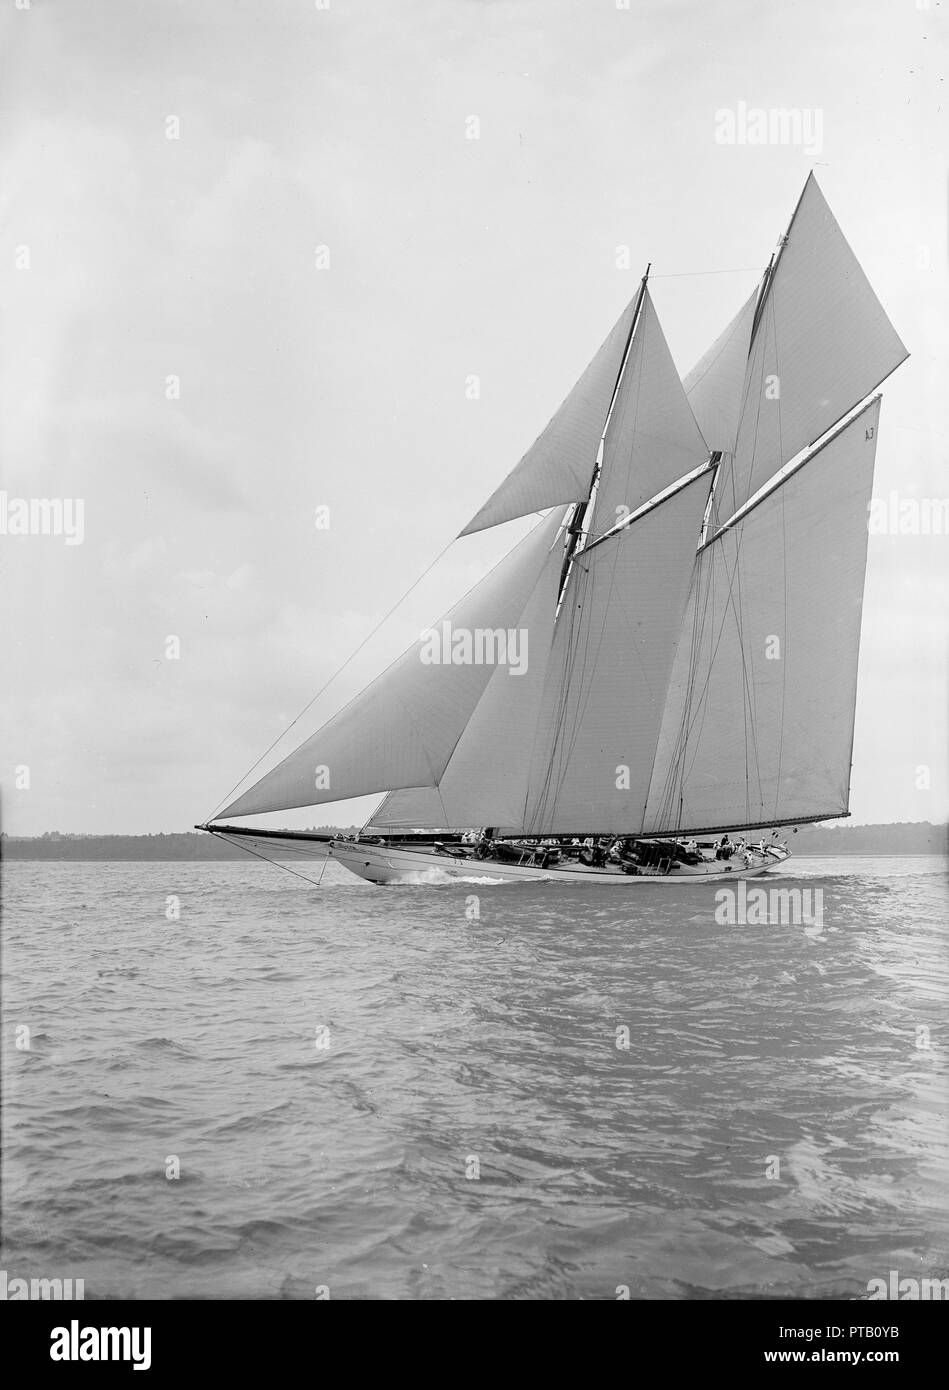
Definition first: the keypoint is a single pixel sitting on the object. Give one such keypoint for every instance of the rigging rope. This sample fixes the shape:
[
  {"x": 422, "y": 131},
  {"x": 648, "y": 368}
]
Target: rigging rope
[
  {"x": 315, "y": 882},
  {"x": 686, "y": 274}
]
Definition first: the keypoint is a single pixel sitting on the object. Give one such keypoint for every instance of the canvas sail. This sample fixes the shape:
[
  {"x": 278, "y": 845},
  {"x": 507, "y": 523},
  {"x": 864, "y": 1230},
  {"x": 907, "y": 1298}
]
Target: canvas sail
[
  {"x": 485, "y": 781},
  {"x": 609, "y": 667},
  {"x": 823, "y": 343},
  {"x": 401, "y": 730},
  {"x": 558, "y": 466},
  {"x": 715, "y": 385},
  {"x": 651, "y": 439},
  {"x": 758, "y": 726}
]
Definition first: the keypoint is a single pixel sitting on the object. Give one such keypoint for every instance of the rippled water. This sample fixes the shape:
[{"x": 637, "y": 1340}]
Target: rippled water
[{"x": 462, "y": 1045}]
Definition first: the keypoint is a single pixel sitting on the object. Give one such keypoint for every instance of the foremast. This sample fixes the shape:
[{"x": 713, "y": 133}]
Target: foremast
[{"x": 581, "y": 513}]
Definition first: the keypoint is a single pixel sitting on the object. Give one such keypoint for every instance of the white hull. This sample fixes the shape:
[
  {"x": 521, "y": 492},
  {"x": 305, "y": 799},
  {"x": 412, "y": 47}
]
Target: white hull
[{"x": 396, "y": 864}]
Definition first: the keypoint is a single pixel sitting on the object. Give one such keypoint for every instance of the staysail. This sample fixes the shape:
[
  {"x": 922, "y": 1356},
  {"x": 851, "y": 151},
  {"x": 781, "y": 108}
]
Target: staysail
[
  {"x": 715, "y": 385},
  {"x": 401, "y": 730},
  {"x": 485, "y": 781},
  {"x": 758, "y": 727}
]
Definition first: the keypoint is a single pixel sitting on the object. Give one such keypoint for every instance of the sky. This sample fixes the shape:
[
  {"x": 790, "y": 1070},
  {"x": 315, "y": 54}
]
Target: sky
[{"x": 250, "y": 256}]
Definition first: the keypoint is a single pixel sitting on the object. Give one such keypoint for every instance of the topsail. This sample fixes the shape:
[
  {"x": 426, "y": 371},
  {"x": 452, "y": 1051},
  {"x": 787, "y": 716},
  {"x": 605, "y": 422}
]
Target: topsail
[
  {"x": 651, "y": 438},
  {"x": 558, "y": 465},
  {"x": 822, "y": 343}
]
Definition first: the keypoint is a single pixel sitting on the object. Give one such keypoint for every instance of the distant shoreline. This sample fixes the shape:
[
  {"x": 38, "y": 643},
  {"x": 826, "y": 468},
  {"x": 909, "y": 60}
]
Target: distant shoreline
[
  {"x": 192, "y": 847},
  {"x": 835, "y": 841}
]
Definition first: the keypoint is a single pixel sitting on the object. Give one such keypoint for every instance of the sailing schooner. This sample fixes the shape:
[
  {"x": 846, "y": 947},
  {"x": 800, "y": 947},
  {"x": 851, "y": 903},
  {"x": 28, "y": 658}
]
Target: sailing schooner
[{"x": 687, "y": 616}]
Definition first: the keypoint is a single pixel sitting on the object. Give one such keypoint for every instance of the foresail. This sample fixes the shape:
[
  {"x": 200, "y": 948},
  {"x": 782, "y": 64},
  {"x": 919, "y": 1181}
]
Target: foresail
[
  {"x": 609, "y": 668},
  {"x": 758, "y": 726},
  {"x": 485, "y": 781},
  {"x": 822, "y": 344},
  {"x": 558, "y": 466},
  {"x": 652, "y": 439},
  {"x": 715, "y": 384},
  {"x": 416, "y": 808},
  {"x": 401, "y": 730}
]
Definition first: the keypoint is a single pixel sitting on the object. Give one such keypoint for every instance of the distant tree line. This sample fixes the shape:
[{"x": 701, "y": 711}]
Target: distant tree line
[{"x": 908, "y": 837}]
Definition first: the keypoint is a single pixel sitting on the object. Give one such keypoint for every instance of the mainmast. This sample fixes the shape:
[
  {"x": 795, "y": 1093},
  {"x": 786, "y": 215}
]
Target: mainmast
[
  {"x": 762, "y": 298},
  {"x": 772, "y": 267},
  {"x": 763, "y": 291}
]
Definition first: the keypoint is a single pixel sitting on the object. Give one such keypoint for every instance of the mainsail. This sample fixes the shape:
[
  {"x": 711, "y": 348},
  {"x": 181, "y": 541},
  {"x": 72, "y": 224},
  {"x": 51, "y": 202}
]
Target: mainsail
[
  {"x": 683, "y": 675},
  {"x": 758, "y": 726},
  {"x": 609, "y": 670},
  {"x": 586, "y": 752}
]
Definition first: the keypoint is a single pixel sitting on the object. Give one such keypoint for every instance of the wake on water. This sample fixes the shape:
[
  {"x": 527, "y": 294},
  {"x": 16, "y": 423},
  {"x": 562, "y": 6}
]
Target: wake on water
[{"x": 438, "y": 878}]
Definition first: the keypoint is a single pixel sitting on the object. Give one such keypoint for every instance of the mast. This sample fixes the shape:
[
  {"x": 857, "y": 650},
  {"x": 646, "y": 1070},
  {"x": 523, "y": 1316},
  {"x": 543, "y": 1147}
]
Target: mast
[
  {"x": 773, "y": 263},
  {"x": 581, "y": 511},
  {"x": 763, "y": 292},
  {"x": 715, "y": 465}
]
